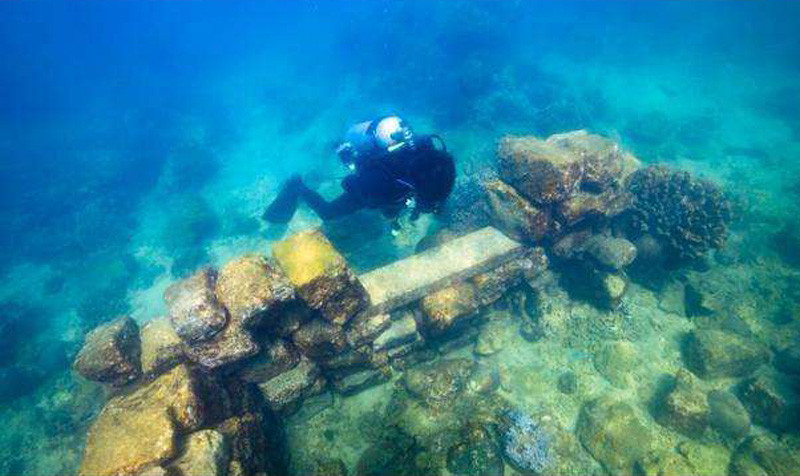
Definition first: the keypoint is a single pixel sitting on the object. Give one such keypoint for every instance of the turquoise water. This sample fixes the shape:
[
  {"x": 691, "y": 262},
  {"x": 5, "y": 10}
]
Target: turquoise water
[{"x": 140, "y": 141}]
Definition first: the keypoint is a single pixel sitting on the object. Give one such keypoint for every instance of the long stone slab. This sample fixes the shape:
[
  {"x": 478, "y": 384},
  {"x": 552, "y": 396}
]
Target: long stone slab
[{"x": 413, "y": 278}]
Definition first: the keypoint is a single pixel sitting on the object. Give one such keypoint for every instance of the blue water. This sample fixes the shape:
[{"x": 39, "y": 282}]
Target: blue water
[{"x": 141, "y": 140}]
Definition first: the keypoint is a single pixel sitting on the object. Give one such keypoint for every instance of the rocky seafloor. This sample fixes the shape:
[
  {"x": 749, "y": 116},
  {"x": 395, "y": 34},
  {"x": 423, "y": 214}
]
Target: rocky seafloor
[{"x": 629, "y": 334}]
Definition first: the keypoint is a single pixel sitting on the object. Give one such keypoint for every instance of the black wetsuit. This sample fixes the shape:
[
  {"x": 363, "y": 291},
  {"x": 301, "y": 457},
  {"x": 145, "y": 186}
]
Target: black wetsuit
[{"x": 381, "y": 181}]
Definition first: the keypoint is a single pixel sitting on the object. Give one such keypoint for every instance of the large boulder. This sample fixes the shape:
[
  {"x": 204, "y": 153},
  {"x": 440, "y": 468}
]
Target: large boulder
[
  {"x": 439, "y": 383},
  {"x": 205, "y": 453},
  {"x": 492, "y": 285},
  {"x": 475, "y": 454},
  {"x": 250, "y": 287},
  {"x": 138, "y": 429},
  {"x": 712, "y": 353},
  {"x": 193, "y": 308},
  {"x": 552, "y": 170},
  {"x": 685, "y": 408},
  {"x": 231, "y": 345},
  {"x": 763, "y": 455},
  {"x": 249, "y": 446},
  {"x": 516, "y": 216},
  {"x": 772, "y": 402},
  {"x": 583, "y": 206},
  {"x": 162, "y": 349},
  {"x": 111, "y": 353},
  {"x": 287, "y": 389},
  {"x": 613, "y": 434},
  {"x": 611, "y": 252},
  {"x": 365, "y": 328},
  {"x": 277, "y": 357},
  {"x": 321, "y": 276},
  {"x": 402, "y": 330},
  {"x": 319, "y": 338},
  {"x": 448, "y": 309},
  {"x": 615, "y": 361},
  {"x": 728, "y": 416}
]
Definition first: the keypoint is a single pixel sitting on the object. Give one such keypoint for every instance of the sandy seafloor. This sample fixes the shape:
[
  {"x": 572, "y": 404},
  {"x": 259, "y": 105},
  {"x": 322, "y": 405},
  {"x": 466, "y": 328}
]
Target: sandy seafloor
[{"x": 121, "y": 176}]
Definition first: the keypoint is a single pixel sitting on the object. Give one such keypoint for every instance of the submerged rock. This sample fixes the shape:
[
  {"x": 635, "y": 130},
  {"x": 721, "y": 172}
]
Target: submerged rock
[
  {"x": 111, "y": 353},
  {"x": 278, "y": 356},
  {"x": 515, "y": 216},
  {"x": 763, "y": 455},
  {"x": 448, "y": 309},
  {"x": 193, "y": 308},
  {"x": 250, "y": 287},
  {"x": 475, "y": 454},
  {"x": 395, "y": 453},
  {"x": 365, "y": 328},
  {"x": 614, "y": 253},
  {"x": 248, "y": 445},
  {"x": 492, "y": 285},
  {"x": 771, "y": 402},
  {"x": 728, "y": 415},
  {"x": 711, "y": 353},
  {"x": 401, "y": 331},
  {"x": 162, "y": 349},
  {"x": 206, "y": 453},
  {"x": 615, "y": 361},
  {"x": 355, "y": 382},
  {"x": 613, "y": 434},
  {"x": 526, "y": 444},
  {"x": 285, "y": 390},
  {"x": 686, "y": 408},
  {"x": 788, "y": 359},
  {"x": 319, "y": 338},
  {"x": 321, "y": 276},
  {"x": 439, "y": 382},
  {"x": 138, "y": 429},
  {"x": 231, "y": 345}
]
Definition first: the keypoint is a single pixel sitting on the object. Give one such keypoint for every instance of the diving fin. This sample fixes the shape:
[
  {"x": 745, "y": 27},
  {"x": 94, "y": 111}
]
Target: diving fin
[{"x": 282, "y": 209}]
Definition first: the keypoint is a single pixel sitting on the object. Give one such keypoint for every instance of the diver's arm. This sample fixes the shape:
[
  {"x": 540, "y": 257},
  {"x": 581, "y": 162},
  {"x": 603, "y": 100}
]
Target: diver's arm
[{"x": 345, "y": 204}]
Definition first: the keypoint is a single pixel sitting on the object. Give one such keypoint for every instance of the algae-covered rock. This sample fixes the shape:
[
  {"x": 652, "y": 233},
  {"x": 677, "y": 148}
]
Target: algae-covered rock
[
  {"x": 355, "y": 382},
  {"x": 492, "y": 285},
  {"x": 319, "y": 338},
  {"x": 614, "y": 253},
  {"x": 439, "y": 382},
  {"x": 615, "y": 360},
  {"x": 772, "y": 402},
  {"x": 515, "y": 216},
  {"x": 137, "y": 429},
  {"x": 205, "y": 453},
  {"x": 613, "y": 434},
  {"x": 365, "y": 328},
  {"x": 685, "y": 408},
  {"x": 664, "y": 463},
  {"x": 585, "y": 206},
  {"x": 284, "y": 390},
  {"x": 321, "y": 276},
  {"x": 277, "y": 357},
  {"x": 231, "y": 345},
  {"x": 250, "y": 287},
  {"x": 711, "y": 353},
  {"x": 394, "y": 453},
  {"x": 193, "y": 308},
  {"x": 123, "y": 441},
  {"x": 788, "y": 359},
  {"x": 402, "y": 330},
  {"x": 162, "y": 349},
  {"x": 111, "y": 353},
  {"x": 493, "y": 337},
  {"x": 248, "y": 444},
  {"x": 475, "y": 454},
  {"x": 449, "y": 308},
  {"x": 763, "y": 455},
  {"x": 728, "y": 415}
]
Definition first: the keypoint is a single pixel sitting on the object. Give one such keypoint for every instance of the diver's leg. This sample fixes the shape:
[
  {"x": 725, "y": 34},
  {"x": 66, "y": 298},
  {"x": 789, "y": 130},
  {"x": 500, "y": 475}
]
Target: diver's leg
[
  {"x": 345, "y": 204},
  {"x": 282, "y": 209}
]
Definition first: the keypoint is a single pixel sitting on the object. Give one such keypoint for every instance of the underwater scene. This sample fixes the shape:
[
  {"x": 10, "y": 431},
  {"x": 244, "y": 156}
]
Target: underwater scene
[{"x": 385, "y": 237}]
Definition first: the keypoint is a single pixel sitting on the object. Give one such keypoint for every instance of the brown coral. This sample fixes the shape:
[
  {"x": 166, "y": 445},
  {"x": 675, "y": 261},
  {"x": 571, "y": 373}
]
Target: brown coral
[{"x": 688, "y": 215}]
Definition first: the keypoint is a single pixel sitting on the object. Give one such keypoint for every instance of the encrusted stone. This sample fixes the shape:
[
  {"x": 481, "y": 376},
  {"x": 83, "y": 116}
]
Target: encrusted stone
[
  {"x": 206, "y": 453},
  {"x": 356, "y": 382},
  {"x": 321, "y": 276},
  {"x": 231, "y": 345},
  {"x": 449, "y": 308},
  {"x": 711, "y": 353},
  {"x": 515, "y": 215},
  {"x": 440, "y": 382},
  {"x": 193, "y": 308},
  {"x": 248, "y": 445},
  {"x": 250, "y": 288},
  {"x": 137, "y": 429},
  {"x": 613, "y": 434},
  {"x": 162, "y": 349},
  {"x": 286, "y": 389},
  {"x": 319, "y": 338},
  {"x": 772, "y": 402},
  {"x": 401, "y": 331},
  {"x": 728, "y": 415},
  {"x": 111, "y": 353},
  {"x": 763, "y": 455},
  {"x": 492, "y": 285},
  {"x": 686, "y": 407},
  {"x": 277, "y": 357},
  {"x": 615, "y": 361},
  {"x": 365, "y": 328}
]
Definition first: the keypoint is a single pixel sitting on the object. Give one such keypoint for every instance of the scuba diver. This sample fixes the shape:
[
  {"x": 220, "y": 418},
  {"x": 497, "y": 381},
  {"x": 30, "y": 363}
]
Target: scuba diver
[{"x": 393, "y": 168}]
